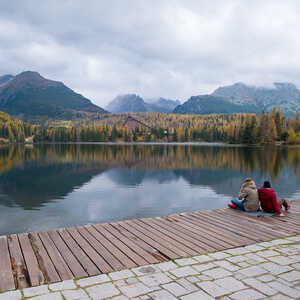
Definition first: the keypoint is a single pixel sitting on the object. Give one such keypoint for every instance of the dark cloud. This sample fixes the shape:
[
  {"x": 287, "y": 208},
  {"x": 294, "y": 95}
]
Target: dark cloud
[{"x": 154, "y": 48}]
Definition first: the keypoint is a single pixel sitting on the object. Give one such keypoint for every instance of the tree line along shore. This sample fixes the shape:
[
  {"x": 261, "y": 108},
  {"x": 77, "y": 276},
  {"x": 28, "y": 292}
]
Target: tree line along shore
[{"x": 264, "y": 128}]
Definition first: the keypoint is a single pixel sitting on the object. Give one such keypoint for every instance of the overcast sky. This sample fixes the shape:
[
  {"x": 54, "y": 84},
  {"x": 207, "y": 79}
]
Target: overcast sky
[{"x": 155, "y": 48}]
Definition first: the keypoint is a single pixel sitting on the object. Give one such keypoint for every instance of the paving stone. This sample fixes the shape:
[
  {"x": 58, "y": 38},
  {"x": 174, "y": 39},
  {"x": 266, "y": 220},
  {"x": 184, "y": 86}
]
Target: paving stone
[
  {"x": 187, "y": 285},
  {"x": 296, "y": 258},
  {"x": 260, "y": 286},
  {"x": 135, "y": 290},
  {"x": 93, "y": 280},
  {"x": 121, "y": 274},
  {"x": 162, "y": 295},
  {"x": 192, "y": 279},
  {"x": 288, "y": 251},
  {"x": 291, "y": 292},
  {"x": 122, "y": 282},
  {"x": 145, "y": 297},
  {"x": 197, "y": 296},
  {"x": 239, "y": 276},
  {"x": 280, "y": 297},
  {"x": 254, "y": 248},
  {"x": 247, "y": 295},
  {"x": 166, "y": 266},
  {"x": 52, "y": 296},
  {"x": 243, "y": 264},
  {"x": 231, "y": 284},
  {"x": 275, "y": 269},
  {"x": 213, "y": 289},
  {"x": 150, "y": 269},
  {"x": 184, "y": 271},
  {"x": 237, "y": 259},
  {"x": 294, "y": 238},
  {"x": 227, "y": 265},
  {"x": 13, "y": 295},
  {"x": 252, "y": 271},
  {"x": 103, "y": 291},
  {"x": 186, "y": 261},
  {"x": 256, "y": 257},
  {"x": 291, "y": 276},
  {"x": 296, "y": 266},
  {"x": 238, "y": 251},
  {"x": 132, "y": 280},
  {"x": 265, "y": 244},
  {"x": 219, "y": 255},
  {"x": 288, "y": 283},
  {"x": 267, "y": 253},
  {"x": 175, "y": 289},
  {"x": 203, "y": 258},
  {"x": 280, "y": 242},
  {"x": 155, "y": 279},
  {"x": 217, "y": 273},
  {"x": 297, "y": 246},
  {"x": 203, "y": 267},
  {"x": 266, "y": 278},
  {"x": 64, "y": 285},
  {"x": 35, "y": 291},
  {"x": 282, "y": 260},
  {"x": 75, "y": 295},
  {"x": 121, "y": 298},
  {"x": 204, "y": 277}
]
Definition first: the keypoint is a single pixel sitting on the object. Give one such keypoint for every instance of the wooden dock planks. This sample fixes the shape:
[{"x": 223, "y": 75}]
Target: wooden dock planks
[{"x": 61, "y": 254}]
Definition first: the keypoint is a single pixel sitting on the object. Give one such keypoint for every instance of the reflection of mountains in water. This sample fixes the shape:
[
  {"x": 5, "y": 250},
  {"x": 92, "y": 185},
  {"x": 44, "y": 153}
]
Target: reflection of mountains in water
[
  {"x": 223, "y": 182},
  {"x": 34, "y": 185},
  {"x": 35, "y": 176}
]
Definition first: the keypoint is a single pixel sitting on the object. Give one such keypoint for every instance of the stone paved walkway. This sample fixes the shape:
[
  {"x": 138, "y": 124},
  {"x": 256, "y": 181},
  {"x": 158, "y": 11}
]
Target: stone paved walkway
[{"x": 269, "y": 270}]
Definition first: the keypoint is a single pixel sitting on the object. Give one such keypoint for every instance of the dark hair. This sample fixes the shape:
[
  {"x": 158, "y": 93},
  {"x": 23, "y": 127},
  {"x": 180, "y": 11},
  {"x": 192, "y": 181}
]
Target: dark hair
[{"x": 267, "y": 184}]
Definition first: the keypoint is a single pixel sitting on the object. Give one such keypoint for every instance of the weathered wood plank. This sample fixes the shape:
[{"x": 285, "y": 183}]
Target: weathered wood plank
[
  {"x": 97, "y": 259},
  {"x": 105, "y": 253},
  {"x": 81, "y": 256},
  {"x": 115, "y": 251},
  {"x": 138, "y": 260},
  {"x": 35, "y": 273},
  {"x": 18, "y": 263},
  {"x": 7, "y": 282},
  {"x": 67, "y": 255},
  {"x": 141, "y": 247},
  {"x": 152, "y": 243},
  {"x": 58, "y": 261}
]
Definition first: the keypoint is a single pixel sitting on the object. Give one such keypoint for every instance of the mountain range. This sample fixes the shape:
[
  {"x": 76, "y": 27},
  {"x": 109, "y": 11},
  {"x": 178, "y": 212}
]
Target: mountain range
[
  {"x": 135, "y": 103},
  {"x": 29, "y": 96},
  {"x": 241, "y": 98}
]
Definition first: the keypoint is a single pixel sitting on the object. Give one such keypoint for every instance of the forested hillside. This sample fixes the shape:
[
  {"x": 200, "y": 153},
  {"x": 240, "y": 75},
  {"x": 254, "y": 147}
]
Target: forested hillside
[
  {"x": 157, "y": 127},
  {"x": 14, "y": 130},
  {"x": 229, "y": 128}
]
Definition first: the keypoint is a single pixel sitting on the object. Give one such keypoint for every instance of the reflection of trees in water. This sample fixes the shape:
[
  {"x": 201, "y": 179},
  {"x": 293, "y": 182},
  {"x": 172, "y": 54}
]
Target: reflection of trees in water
[
  {"x": 152, "y": 157},
  {"x": 31, "y": 176}
]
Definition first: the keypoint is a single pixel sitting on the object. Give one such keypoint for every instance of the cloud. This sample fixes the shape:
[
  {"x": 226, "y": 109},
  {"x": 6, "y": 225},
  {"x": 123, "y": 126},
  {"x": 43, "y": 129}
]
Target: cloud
[{"x": 172, "y": 49}]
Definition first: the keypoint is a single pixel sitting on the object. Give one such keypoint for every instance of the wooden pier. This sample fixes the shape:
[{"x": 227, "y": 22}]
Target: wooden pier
[{"x": 32, "y": 259}]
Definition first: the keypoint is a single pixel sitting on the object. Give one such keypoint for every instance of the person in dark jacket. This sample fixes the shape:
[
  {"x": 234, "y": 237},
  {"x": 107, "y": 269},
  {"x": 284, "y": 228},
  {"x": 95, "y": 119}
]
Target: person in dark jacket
[{"x": 268, "y": 200}]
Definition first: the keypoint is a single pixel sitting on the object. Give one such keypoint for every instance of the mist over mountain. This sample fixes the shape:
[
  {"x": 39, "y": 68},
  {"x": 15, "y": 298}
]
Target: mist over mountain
[
  {"x": 210, "y": 104},
  {"x": 5, "y": 78},
  {"x": 242, "y": 98},
  {"x": 283, "y": 94},
  {"x": 29, "y": 96},
  {"x": 135, "y": 103}
]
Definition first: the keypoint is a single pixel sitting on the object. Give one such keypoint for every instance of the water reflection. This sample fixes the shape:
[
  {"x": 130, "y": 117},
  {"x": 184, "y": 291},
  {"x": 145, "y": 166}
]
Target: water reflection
[{"x": 47, "y": 186}]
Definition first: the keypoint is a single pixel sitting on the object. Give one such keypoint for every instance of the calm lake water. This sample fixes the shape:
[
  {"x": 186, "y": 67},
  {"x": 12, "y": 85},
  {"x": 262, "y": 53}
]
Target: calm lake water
[{"x": 51, "y": 186}]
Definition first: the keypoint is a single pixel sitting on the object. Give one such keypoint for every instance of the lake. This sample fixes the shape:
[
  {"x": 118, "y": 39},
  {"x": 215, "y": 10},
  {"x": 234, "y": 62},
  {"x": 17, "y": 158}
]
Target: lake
[{"x": 50, "y": 186}]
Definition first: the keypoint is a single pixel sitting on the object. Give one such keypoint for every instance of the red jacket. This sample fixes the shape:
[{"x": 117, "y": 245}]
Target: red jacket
[{"x": 268, "y": 200}]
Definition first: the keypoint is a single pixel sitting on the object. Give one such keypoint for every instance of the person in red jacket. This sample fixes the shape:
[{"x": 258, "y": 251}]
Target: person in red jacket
[{"x": 268, "y": 200}]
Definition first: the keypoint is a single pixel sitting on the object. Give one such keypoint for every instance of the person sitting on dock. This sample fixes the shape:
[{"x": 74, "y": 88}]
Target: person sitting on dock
[
  {"x": 268, "y": 200},
  {"x": 248, "y": 196}
]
